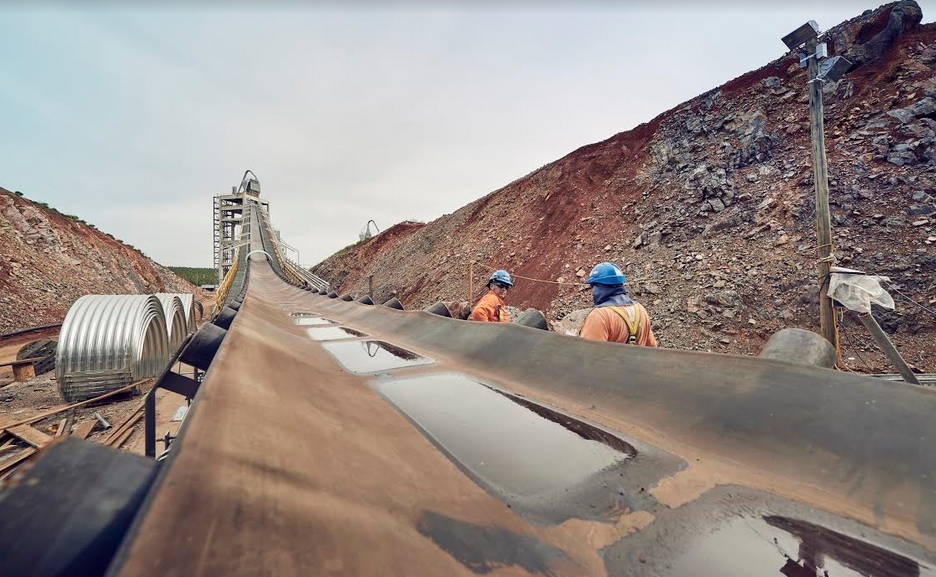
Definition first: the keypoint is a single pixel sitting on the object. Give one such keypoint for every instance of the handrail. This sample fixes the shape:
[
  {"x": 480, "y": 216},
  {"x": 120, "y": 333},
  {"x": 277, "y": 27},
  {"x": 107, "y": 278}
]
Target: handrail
[
  {"x": 279, "y": 254},
  {"x": 293, "y": 269},
  {"x": 225, "y": 286}
]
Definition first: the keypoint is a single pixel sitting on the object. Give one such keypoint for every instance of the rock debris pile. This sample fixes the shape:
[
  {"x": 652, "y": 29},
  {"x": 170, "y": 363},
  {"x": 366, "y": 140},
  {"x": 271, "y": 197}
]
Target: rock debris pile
[
  {"x": 710, "y": 208},
  {"x": 48, "y": 260}
]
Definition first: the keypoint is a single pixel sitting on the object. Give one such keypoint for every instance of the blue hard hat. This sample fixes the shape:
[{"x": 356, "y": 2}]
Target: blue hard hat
[
  {"x": 501, "y": 276},
  {"x": 606, "y": 273}
]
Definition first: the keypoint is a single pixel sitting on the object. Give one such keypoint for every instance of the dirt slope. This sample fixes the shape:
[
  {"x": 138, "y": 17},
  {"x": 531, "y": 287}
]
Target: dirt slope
[
  {"x": 357, "y": 257},
  {"x": 710, "y": 208},
  {"x": 48, "y": 260}
]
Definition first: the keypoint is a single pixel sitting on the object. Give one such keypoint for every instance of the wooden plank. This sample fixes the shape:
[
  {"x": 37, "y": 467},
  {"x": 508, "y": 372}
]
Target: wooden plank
[
  {"x": 84, "y": 428},
  {"x": 123, "y": 438},
  {"x": 33, "y": 436},
  {"x": 128, "y": 423},
  {"x": 22, "y": 361},
  {"x": 7, "y": 446},
  {"x": 69, "y": 420},
  {"x": 62, "y": 408},
  {"x": 61, "y": 428},
  {"x": 7, "y": 467}
]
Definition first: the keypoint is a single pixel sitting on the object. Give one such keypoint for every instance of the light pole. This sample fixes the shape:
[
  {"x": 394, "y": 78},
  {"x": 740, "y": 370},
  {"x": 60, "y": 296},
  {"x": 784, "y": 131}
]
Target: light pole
[{"x": 807, "y": 37}]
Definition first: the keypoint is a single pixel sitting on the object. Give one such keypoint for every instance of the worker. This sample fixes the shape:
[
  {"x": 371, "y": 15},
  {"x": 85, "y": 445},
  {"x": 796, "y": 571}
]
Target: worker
[
  {"x": 492, "y": 308},
  {"x": 615, "y": 318}
]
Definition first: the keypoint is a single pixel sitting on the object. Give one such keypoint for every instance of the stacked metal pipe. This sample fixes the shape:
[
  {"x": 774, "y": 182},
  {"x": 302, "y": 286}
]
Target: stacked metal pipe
[
  {"x": 177, "y": 324},
  {"x": 189, "y": 304},
  {"x": 108, "y": 341}
]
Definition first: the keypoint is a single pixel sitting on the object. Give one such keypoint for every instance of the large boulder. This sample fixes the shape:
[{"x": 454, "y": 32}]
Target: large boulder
[{"x": 572, "y": 323}]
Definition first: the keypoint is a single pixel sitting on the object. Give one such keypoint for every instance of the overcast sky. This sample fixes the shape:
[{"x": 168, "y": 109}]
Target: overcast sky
[{"x": 133, "y": 118}]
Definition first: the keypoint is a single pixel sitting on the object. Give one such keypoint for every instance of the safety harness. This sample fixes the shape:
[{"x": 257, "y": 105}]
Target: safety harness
[{"x": 632, "y": 325}]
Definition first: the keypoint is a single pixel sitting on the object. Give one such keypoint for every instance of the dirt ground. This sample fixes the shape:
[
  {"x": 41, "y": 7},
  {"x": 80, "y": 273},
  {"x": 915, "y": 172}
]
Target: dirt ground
[{"x": 21, "y": 400}]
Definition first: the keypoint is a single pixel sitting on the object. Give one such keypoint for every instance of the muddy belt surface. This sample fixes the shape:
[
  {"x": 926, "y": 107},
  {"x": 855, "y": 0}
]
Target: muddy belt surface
[{"x": 410, "y": 444}]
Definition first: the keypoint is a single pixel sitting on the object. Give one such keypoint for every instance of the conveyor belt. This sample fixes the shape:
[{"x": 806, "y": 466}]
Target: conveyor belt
[{"x": 289, "y": 463}]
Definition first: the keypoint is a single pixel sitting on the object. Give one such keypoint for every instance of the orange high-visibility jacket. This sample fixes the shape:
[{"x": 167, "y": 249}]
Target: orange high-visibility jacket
[
  {"x": 607, "y": 324},
  {"x": 490, "y": 309}
]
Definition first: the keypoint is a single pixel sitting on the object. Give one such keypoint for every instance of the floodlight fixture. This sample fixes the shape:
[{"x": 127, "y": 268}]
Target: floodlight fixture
[
  {"x": 822, "y": 51},
  {"x": 801, "y": 35},
  {"x": 834, "y": 68}
]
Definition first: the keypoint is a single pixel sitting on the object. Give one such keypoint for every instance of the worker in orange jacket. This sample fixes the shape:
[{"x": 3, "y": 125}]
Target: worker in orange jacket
[
  {"x": 492, "y": 308},
  {"x": 615, "y": 318}
]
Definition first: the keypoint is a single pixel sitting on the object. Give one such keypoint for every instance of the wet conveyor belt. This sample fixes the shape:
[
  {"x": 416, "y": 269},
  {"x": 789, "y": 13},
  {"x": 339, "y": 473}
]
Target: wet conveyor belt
[
  {"x": 373, "y": 356},
  {"x": 543, "y": 468},
  {"x": 546, "y": 465},
  {"x": 313, "y": 321},
  {"x": 517, "y": 451},
  {"x": 334, "y": 333}
]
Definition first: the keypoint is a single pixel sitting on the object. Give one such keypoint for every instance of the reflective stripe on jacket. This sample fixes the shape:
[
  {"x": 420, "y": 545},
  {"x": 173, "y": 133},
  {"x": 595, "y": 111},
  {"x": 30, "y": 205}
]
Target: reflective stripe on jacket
[
  {"x": 490, "y": 309},
  {"x": 607, "y": 324}
]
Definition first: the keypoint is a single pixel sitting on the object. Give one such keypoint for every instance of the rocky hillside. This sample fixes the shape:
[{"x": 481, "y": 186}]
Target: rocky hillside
[
  {"x": 710, "y": 208},
  {"x": 48, "y": 260},
  {"x": 351, "y": 260}
]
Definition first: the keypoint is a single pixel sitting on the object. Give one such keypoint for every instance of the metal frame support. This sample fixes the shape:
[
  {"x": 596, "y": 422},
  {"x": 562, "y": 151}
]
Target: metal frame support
[
  {"x": 888, "y": 348},
  {"x": 171, "y": 381}
]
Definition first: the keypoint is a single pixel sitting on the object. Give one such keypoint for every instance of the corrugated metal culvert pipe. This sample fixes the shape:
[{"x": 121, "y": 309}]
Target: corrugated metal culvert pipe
[
  {"x": 176, "y": 323},
  {"x": 188, "y": 308},
  {"x": 108, "y": 341}
]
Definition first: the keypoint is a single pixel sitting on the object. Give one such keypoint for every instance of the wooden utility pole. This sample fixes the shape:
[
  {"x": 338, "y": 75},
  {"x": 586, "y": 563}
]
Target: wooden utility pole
[{"x": 821, "y": 178}]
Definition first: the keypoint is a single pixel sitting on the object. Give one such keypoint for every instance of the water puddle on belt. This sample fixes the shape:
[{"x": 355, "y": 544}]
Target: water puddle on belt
[
  {"x": 373, "y": 356},
  {"x": 313, "y": 321},
  {"x": 780, "y": 546},
  {"x": 333, "y": 333},
  {"x": 511, "y": 444}
]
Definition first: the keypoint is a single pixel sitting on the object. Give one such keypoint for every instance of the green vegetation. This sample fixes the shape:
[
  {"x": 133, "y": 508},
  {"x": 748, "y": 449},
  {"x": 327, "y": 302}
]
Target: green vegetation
[
  {"x": 196, "y": 275},
  {"x": 52, "y": 210}
]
